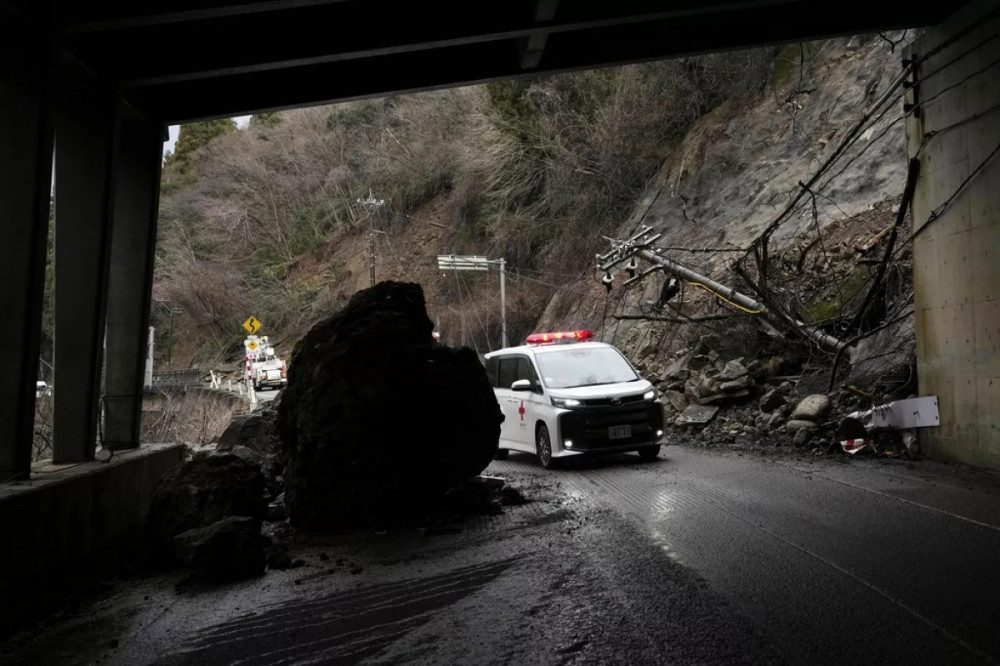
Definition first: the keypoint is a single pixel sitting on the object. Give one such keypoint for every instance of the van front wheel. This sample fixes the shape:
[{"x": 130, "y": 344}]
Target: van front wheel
[
  {"x": 649, "y": 453},
  {"x": 543, "y": 447}
]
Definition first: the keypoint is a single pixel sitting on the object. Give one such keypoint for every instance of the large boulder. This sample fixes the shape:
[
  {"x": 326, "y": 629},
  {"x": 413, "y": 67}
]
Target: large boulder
[
  {"x": 377, "y": 417},
  {"x": 255, "y": 437},
  {"x": 228, "y": 549},
  {"x": 201, "y": 492}
]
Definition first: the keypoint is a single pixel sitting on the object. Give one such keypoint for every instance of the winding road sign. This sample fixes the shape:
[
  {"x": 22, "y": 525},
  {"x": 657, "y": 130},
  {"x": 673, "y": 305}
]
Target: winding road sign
[{"x": 252, "y": 325}]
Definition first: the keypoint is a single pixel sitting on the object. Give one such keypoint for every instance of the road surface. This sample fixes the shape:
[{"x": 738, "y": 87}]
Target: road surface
[
  {"x": 700, "y": 557},
  {"x": 838, "y": 561}
]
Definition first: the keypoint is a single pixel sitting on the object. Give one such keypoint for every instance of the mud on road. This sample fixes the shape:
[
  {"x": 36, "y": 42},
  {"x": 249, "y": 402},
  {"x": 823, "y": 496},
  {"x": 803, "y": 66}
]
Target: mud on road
[
  {"x": 699, "y": 557},
  {"x": 560, "y": 580}
]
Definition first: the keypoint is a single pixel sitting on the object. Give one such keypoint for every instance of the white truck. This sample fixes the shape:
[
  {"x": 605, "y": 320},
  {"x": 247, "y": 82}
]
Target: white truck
[{"x": 264, "y": 367}]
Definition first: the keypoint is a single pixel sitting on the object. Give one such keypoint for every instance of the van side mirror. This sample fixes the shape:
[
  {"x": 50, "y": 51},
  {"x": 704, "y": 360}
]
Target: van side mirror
[{"x": 521, "y": 385}]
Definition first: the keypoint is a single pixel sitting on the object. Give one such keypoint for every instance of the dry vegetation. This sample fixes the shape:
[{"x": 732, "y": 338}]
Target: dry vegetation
[{"x": 252, "y": 221}]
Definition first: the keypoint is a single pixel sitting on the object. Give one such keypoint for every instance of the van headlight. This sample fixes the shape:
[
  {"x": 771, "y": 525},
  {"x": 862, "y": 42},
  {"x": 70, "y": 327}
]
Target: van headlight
[
  {"x": 565, "y": 403},
  {"x": 651, "y": 394}
]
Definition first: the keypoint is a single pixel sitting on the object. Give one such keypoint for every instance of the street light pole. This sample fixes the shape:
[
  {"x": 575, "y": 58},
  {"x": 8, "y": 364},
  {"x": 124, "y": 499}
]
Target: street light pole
[
  {"x": 503, "y": 302},
  {"x": 474, "y": 263}
]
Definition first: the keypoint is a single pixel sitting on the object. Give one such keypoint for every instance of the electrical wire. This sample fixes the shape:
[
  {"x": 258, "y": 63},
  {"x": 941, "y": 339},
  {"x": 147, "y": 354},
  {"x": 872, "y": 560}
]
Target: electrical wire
[
  {"x": 856, "y": 132},
  {"x": 947, "y": 202},
  {"x": 482, "y": 325},
  {"x": 516, "y": 275}
]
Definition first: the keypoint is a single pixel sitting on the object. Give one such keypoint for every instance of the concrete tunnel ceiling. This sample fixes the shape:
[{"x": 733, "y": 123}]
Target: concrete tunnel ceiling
[{"x": 182, "y": 60}]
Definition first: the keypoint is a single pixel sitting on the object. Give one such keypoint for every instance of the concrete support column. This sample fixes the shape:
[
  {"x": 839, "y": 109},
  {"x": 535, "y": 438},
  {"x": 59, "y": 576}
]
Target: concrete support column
[
  {"x": 140, "y": 151},
  {"x": 86, "y": 124},
  {"x": 25, "y": 186},
  {"x": 954, "y": 130}
]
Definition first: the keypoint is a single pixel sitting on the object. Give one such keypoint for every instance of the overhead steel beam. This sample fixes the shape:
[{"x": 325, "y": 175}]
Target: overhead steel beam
[
  {"x": 533, "y": 46},
  {"x": 249, "y": 43},
  {"x": 76, "y": 17},
  {"x": 490, "y": 61}
]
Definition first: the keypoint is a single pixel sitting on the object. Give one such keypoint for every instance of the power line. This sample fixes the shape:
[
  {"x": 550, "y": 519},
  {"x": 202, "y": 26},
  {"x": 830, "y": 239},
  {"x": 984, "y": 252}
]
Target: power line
[{"x": 486, "y": 333}]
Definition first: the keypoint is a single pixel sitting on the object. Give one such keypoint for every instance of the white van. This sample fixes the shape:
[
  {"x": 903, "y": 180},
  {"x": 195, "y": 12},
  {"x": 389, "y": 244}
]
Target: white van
[{"x": 563, "y": 396}]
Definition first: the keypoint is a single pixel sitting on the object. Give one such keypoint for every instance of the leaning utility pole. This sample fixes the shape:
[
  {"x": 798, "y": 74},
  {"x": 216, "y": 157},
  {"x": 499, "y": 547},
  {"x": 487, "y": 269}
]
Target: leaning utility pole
[
  {"x": 371, "y": 204},
  {"x": 641, "y": 245},
  {"x": 458, "y": 263}
]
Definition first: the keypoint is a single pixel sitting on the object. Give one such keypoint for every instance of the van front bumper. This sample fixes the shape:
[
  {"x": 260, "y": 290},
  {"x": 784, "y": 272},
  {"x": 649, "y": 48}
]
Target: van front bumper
[{"x": 589, "y": 428}]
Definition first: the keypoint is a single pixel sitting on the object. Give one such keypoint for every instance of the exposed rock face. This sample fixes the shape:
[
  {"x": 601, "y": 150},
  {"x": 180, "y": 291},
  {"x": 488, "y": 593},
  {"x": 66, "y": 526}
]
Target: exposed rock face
[
  {"x": 377, "y": 416},
  {"x": 202, "y": 492}
]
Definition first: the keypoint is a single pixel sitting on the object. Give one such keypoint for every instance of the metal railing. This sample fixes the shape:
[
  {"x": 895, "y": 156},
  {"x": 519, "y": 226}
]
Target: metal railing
[{"x": 190, "y": 377}]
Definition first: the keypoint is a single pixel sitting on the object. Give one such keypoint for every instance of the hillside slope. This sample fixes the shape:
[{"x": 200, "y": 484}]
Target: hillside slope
[
  {"x": 739, "y": 168},
  {"x": 269, "y": 220}
]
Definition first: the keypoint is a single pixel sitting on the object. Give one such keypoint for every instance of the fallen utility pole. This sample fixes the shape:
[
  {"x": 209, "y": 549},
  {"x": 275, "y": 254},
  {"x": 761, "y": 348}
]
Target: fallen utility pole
[{"x": 641, "y": 245}]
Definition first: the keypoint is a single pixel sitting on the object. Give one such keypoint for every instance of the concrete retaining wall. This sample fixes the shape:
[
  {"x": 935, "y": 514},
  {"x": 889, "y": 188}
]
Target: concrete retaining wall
[
  {"x": 73, "y": 524},
  {"x": 956, "y": 248}
]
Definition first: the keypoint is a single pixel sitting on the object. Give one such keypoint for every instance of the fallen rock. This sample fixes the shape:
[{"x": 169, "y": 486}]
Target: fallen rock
[
  {"x": 733, "y": 370},
  {"x": 775, "y": 420},
  {"x": 697, "y": 415},
  {"x": 812, "y": 407},
  {"x": 240, "y": 431},
  {"x": 707, "y": 386},
  {"x": 279, "y": 559},
  {"x": 512, "y": 496},
  {"x": 228, "y": 549},
  {"x": 677, "y": 400},
  {"x": 699, "y": 362},
  {"x": 771, "y": 400},
  {"x": 794, "y": 426},
  {"x": 679, "y": 375},
  {"x": 271, "y": 465},
  {"x": 202, "y": 492},
  {"x": 256, "y": 431},
  {"x": 363, "y": 386},
  {"x": 802, "y": 437},
  {"x": 735, "y": 385},
  {"x": 738, "y": 397}
]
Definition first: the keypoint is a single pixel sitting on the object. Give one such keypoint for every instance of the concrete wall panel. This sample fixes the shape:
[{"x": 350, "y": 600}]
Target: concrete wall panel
[
  {"x": 957, "y": 248},
  {"x": 74, "y": 524}
]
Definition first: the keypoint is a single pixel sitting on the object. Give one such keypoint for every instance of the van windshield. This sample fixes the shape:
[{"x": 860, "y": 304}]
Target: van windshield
[{"x": 571, "y": 368}]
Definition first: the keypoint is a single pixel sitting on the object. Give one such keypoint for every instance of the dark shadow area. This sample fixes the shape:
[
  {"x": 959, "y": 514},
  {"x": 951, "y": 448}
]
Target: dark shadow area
[{"x": 340, "y": 628}]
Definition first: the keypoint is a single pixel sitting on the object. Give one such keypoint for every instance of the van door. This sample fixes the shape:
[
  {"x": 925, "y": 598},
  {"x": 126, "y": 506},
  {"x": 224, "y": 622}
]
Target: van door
[
  {"x": 509, "y": 401},
  {"x": 528, "y": 408}
]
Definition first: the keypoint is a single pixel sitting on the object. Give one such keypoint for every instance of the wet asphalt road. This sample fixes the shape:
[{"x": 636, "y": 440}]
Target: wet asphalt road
[
  {"x": 836, "y": 561},
  {"x": 697, "y": 558}
]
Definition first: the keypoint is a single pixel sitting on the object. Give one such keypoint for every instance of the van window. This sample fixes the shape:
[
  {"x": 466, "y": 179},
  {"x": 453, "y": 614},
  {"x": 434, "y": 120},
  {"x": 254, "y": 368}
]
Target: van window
[
  {"x": 525, "y": 370},
  {"x": 507, "y": 372},
  {"x": 492, "y": 366},
  {"x": 573, "y": 367}
]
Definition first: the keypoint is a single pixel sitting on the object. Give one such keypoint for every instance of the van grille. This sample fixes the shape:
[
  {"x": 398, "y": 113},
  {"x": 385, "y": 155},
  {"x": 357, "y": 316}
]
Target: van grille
[{"x": 588, "y": 427}]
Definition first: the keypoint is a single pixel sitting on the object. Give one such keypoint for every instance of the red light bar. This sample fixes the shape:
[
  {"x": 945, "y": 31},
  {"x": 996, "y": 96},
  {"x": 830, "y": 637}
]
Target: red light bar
[{"x": 559, "y": 336}]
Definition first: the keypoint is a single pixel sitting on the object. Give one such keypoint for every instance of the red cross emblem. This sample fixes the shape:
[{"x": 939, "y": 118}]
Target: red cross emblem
[{"x": 520, "y": 410}]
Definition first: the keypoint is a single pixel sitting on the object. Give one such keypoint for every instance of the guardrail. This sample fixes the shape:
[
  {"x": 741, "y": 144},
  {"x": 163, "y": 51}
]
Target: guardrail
[{"x": 190, "y": 377}]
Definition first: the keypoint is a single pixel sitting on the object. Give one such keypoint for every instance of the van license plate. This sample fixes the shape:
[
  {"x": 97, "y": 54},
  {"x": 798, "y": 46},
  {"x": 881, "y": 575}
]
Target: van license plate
[{"x": 620, "y": 432}]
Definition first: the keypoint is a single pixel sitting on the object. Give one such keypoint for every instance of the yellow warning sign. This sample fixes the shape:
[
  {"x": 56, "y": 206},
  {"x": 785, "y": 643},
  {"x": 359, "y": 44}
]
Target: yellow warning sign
[
  {"x": 252, "y": 345},
  {"x": 252, "y": 325}
]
